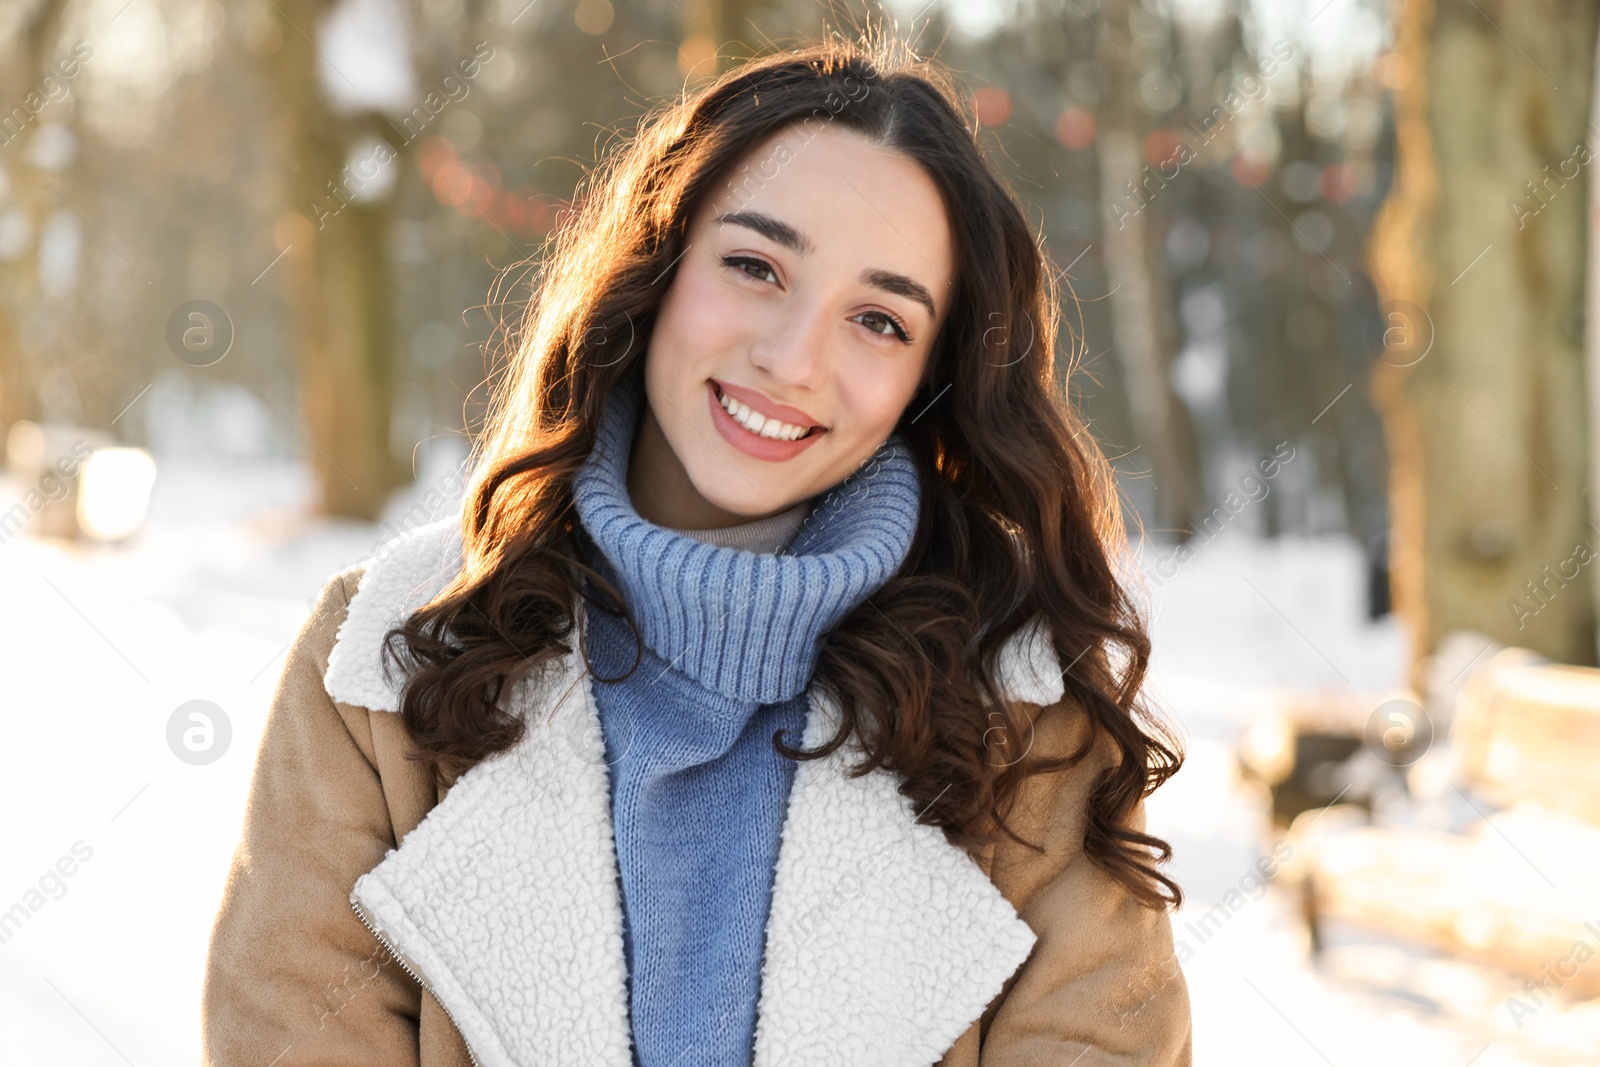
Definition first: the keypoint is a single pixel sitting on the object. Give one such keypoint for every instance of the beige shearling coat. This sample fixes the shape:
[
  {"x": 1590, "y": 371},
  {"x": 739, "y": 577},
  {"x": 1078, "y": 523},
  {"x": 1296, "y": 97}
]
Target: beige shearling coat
[{"x": 372, "y": 917}]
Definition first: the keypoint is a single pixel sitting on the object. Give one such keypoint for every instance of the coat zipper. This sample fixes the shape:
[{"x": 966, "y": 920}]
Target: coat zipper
[{"x": 361, "y": 913}]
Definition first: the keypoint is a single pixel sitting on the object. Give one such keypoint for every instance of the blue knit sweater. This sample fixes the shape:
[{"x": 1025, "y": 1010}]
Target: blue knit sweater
[{"x": 697, "y": 793}]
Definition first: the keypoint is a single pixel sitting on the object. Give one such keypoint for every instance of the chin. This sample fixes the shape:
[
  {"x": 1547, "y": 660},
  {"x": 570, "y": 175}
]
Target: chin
[
  {"x": 722, "y": 481},
  {"x": 749, "y": 505}
]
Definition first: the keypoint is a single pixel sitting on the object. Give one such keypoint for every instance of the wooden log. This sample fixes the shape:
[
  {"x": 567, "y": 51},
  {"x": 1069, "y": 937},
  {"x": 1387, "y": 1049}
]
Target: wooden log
[
  {"x": 1528, "y": 731},
  {"x": 1532, "y": 908}
]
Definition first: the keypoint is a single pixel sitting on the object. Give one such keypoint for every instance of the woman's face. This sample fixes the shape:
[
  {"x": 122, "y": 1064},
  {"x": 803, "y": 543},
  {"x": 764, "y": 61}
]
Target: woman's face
[{"x": 810, "y": 290}]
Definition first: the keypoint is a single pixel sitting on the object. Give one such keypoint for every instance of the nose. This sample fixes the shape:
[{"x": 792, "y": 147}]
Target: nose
[{"x": 794, "y": 348}]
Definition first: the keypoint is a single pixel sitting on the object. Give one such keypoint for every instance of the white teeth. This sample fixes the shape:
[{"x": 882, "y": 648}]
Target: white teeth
[{"x": 757, "y": 423}]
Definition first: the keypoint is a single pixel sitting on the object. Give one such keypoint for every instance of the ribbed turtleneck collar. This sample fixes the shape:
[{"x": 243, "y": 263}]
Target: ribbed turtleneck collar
[{"x": 744, "y": 624}]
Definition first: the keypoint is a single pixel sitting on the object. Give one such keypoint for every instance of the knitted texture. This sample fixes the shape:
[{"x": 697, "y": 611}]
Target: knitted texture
[{"x": 698, "y": 795}]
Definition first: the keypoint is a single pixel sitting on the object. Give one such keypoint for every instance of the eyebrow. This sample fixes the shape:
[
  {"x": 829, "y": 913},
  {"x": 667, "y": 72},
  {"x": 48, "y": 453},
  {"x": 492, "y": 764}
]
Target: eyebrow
[{"x": 780, "y": 232}]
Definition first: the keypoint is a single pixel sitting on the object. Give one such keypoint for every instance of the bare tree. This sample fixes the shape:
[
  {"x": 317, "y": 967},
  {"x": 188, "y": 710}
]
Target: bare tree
[
  {"x": 1478, "y": 256},
  {"x": 340, "y": 288},
  {"x": 25, "y": 61},
  {"x": 1144, "y": 335}
]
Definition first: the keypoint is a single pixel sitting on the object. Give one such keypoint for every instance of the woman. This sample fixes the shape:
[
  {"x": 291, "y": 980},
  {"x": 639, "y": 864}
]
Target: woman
[{"x": 773, "y": 700}]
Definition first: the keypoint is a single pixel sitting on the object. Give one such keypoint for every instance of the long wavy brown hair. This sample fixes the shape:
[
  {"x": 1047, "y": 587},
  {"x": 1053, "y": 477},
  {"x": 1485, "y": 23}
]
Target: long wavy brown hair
[{"x": 1021, "y": 517}]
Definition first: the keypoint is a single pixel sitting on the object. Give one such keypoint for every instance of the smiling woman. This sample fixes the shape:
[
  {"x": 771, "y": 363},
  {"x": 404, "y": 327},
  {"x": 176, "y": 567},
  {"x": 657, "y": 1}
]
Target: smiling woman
[
  {"x": 778, "y": 658},
  {"x": 783, "y": 355}
]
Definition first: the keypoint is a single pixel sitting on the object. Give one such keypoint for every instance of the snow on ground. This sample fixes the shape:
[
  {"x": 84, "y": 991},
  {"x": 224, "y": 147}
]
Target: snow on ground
[
  {"x": 1239, "y": 625},
  {"x": 103, "y": 644}
]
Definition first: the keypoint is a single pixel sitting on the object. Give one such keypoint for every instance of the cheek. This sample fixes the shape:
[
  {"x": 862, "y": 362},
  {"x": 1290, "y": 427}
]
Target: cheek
[
  {"x": 876, "y": 392},
  {"x": 698, "y": 320}
]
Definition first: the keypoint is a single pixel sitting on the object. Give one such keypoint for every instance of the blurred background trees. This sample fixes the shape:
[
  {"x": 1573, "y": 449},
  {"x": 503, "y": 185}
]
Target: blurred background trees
[
  {"x": 1328, "y": 262},
  {"x": 1481, "y": 255},
  {"x": 362, "y": 187}
]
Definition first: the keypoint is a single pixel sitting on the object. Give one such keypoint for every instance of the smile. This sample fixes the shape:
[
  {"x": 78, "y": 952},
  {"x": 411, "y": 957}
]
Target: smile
[
  {"x": 756, "y": 434},
  {"x": 757, "y": 423}
]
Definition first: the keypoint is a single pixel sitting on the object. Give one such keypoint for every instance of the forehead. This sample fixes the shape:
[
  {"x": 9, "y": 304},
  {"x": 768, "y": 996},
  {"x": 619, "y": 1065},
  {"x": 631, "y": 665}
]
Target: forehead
[{"x": 844, "y": 193}]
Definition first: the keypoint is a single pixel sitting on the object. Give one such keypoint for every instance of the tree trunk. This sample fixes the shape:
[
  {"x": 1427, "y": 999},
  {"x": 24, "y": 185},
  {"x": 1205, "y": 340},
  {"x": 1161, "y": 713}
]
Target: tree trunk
[
  {"x": 1141, "y": 331},
  {"x": 21, "y": 73},
  {"x": 1479, "y": 256},
  {"x": 1592, "y": 336},
  {"x": 339, "y": 284}
]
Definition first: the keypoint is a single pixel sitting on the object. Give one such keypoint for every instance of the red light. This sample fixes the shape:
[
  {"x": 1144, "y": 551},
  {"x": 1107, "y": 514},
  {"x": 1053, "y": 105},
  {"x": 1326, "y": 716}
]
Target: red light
[
  {"x": 1251, "y": 169},
  {"x": 993, "y": 105},
  {"x": 1162, "y": 148},
  {"x": 1337, "y": 183},
  {"x": 1076, "y": 128}
]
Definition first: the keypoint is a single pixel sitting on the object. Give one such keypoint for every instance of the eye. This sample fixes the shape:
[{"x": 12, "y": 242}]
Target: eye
[
  {"x": 744, "y": 263},
  {"x": 895, "y": 325}
]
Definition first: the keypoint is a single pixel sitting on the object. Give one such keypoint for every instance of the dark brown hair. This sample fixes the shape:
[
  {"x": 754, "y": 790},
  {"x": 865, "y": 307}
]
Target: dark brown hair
[{"x": 1020, "y": 518}]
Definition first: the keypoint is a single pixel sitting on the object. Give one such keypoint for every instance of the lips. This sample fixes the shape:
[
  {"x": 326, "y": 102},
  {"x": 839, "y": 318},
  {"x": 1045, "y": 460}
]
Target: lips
[
  {"x": 757, "y": 445},
  {"x": 766, "y": 406}
]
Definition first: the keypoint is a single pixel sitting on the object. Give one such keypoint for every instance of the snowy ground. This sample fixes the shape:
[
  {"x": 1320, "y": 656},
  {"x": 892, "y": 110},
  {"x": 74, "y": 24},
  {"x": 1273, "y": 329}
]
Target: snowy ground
[{"x": 102, "y": 645}]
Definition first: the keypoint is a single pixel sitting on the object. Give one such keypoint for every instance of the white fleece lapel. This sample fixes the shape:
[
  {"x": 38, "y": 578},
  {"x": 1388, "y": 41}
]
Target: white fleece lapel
[
  {"x": 504, "y": 898},
  {"x": 405, "y": 574},
  {"x": 884, "y": 941}
]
